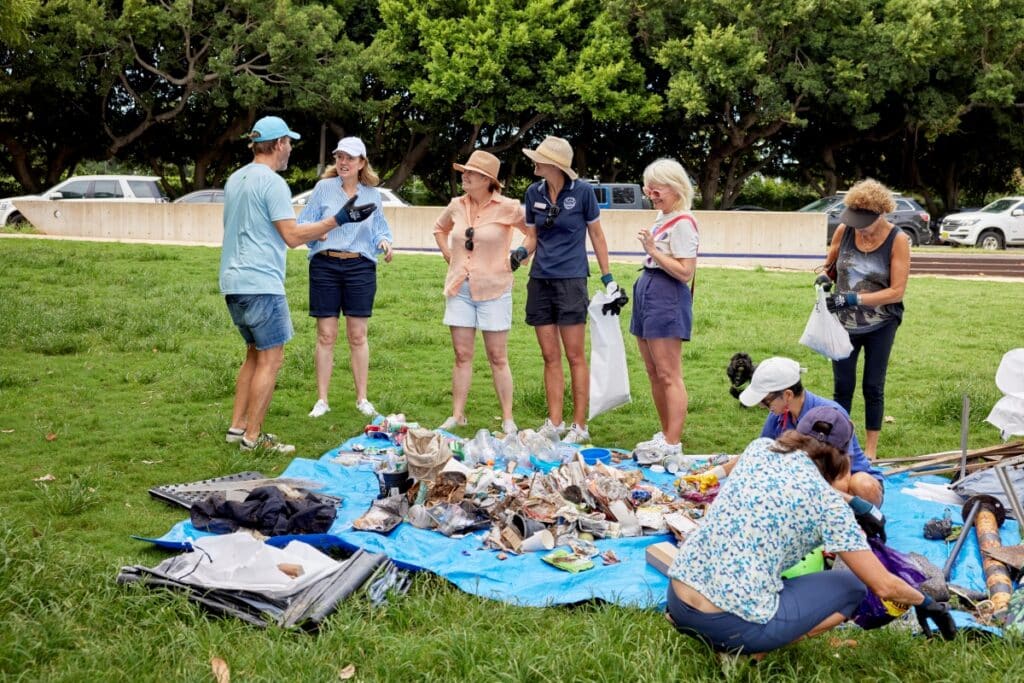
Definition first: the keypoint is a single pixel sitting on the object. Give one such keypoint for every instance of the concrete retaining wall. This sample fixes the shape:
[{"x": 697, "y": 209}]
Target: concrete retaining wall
[{"x": 729, "y": 238}]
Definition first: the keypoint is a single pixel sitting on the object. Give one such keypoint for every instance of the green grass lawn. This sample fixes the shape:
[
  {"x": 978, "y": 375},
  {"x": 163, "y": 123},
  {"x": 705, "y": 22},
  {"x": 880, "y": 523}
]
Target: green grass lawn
[{"x": 117, "y": 367}]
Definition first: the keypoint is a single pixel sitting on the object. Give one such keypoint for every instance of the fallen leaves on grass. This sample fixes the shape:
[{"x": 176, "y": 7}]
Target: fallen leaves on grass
[
  {"x": 51, "y": 436},
  {"x": 348, "y": 672},
  {"x": 46, "y": 477},
  {"x": 221, "y": 672},
  {"x": 842, "y": 642}
]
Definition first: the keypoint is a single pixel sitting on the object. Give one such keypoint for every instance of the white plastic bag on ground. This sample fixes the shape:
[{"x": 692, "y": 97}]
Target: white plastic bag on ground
[
  {"x": 609, "y": 378},
  {"x": 824, "y": 333}
]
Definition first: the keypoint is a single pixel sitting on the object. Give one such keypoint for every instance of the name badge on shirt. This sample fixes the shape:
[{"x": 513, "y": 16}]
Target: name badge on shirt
[{"x": 540, "y": 206}]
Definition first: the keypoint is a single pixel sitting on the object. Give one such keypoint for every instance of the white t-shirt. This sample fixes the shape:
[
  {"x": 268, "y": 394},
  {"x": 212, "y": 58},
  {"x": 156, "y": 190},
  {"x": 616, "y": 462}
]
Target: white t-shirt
[{"x": 675, "y": 238}]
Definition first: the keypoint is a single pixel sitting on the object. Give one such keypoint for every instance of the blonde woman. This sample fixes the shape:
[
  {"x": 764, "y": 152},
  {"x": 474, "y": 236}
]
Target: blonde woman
[
  {"x": 343, "y": 267},
  {"x": 872, "y": 261},
  {"x": 662, "y": 304}
]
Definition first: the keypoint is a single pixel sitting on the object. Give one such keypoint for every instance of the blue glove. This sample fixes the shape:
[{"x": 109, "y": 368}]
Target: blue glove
[
  {"x": 350, "y": 213},
  {"x": 824, "y": 282},
  {"x": 841, "y": 300},
  {"x": 870, "y": 518},
  {"x": 517, "y": 256}
]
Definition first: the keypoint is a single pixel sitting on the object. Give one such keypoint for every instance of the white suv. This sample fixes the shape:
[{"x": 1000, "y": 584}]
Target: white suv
[
  {"x": 995, "y": 226},
  {"x": 114, "y": 188}
]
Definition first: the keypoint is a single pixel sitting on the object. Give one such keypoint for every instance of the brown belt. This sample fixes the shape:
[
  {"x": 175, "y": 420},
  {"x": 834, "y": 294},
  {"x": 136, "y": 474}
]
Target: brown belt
[{"x": 341, "y": 254}]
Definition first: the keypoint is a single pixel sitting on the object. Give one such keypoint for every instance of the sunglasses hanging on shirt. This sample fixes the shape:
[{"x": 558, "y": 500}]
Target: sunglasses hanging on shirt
[
  {"x": 551, "y": 214},
  {"x": 469, "y": 238}
]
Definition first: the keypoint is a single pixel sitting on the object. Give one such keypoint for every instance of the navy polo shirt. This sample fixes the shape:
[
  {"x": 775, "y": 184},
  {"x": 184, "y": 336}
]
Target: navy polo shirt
[
  {"x": 775, "y": 425},
  {"x": 562, "y": 246}
]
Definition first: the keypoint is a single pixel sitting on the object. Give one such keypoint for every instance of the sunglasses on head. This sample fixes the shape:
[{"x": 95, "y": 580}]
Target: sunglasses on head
[
  {"x": 469, "y": 238},
  {"x": 551, "y": 214}
]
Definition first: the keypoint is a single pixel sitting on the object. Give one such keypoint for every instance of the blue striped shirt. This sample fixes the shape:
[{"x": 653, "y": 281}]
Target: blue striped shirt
[{"x": 362, "y": 238}]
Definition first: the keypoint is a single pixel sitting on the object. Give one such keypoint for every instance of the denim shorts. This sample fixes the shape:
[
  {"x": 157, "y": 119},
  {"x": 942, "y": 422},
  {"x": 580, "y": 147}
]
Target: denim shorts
[
  {"x": 262, "y": 319},
  {"x": 492, "y": 315},
  {"x": 556, "y": 302},
  {"x": 804, "y": 602},
  {"x": 341, "y": 286},
  {"x": 662, "y": 307}
]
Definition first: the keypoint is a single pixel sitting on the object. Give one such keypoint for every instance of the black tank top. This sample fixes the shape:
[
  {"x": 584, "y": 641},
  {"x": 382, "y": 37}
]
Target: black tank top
[{"x": 866, "y": 271}]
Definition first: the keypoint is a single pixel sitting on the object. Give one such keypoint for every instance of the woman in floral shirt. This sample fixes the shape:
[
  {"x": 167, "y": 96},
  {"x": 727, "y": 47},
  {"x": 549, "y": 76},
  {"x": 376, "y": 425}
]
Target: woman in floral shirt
[{"x": 776, "y": 506}]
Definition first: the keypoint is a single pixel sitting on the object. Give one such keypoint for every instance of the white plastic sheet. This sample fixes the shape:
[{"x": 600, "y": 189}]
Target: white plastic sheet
[
  {"x": 609, "y": 378},
  {"x": 824, "y": 333},
  {"x": 1008, "y": 412}
]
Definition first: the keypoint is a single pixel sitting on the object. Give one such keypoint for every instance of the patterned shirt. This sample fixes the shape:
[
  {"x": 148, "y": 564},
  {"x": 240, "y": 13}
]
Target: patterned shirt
[
  {"x": 361, "y": 238},
  {"x": 772, "y": 510},
  {"x": 676, "y": 238},
  {"x": 866, "y": 271}
]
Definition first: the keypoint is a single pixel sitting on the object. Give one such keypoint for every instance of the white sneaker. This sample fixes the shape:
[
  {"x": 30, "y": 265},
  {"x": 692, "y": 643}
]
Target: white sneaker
[
  {"x": 657, "y": 440},
  {"x": 551, "y": 430},
  {"x": 234, "y": 435},
  {"x": 320, "y": 408},
  {"x": 649, "y": 453},
  {"x": 451, "y": 423},
  {"x": 365, "y": 407},
  {"x": 577, "y": 434},
  {"x": 509, "y": 426},
  {"x": 266, "y": 442}
]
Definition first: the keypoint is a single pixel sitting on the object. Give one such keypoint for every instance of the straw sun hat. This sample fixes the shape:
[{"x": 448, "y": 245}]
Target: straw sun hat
[{"x": 554, "y": 151}]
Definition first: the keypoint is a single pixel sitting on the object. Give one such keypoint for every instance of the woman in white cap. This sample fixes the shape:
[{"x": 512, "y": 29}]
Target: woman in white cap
[
  {"x": 663, "y": 305},
  {"x": 474, "y": 233},
  {"x": 871, "y": 257},
  {"x": 561, "y": 211},
  {"x": 343, "y": 267},
  {"x": 726, "y": 587}
]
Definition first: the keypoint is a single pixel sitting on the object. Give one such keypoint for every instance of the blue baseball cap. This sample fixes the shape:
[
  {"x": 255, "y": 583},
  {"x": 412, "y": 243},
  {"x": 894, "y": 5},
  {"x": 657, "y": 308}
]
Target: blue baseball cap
[
  {"x": 828, "y": 425},
  {"x": 271, "y": 128}
]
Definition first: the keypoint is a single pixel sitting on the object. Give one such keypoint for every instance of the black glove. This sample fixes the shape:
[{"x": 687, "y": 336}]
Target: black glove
[
  {"x": 937, "y": 612},
  {"x": 824, "y": 281},
  {"x": 350, "y": 213},
  {"x": 517, "y": 256},
  {"x": 840, "y": 300},
  {"x": 615, "y": 305},
  {"x": 870, "y": 518}
]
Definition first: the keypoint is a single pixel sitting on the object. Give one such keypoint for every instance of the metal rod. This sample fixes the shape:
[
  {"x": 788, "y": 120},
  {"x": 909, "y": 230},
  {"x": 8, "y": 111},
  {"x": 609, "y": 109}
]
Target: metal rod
[
  {"x": 964, "y": 531},
  {"x": 1018, "y": 512},
  {"x": 965, "y": 419}
]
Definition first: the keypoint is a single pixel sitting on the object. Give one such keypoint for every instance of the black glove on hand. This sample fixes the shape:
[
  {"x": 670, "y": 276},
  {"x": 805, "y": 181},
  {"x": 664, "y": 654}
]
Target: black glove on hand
[
  {"x": 824, "y": 281},
  {"x": 615, "y": 305},
  {"x": 350, "y": 213},
  {"x": 870, "y": 518},
  {"x": 517, "y": 256},
  {"x": 840, "y": 300},
  {"x": 938, "y": 613}
]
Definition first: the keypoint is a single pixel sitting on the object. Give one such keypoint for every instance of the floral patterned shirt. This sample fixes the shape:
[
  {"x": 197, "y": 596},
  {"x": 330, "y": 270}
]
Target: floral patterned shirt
[{"x": 772, "y": 510}]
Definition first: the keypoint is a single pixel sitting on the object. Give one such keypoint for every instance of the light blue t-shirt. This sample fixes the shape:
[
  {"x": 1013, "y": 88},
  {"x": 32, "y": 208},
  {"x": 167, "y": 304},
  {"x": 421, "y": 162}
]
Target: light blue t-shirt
[
  {"x": 772, "y": 510},
  {"x": 363, "y": 237},
  {"x": 252, "y": 260}
]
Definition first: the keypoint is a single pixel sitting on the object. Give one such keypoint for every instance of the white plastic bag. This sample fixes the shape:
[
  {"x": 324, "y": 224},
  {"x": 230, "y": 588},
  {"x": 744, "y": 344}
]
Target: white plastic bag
[
  {"x": 824, "y": 333},
  {"x": 609, "y": 378}
]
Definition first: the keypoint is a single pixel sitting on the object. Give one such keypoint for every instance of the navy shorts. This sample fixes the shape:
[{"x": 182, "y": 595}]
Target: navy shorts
[
  {"x": 556, "y": 302},
  {"x": 804, "y": 602},
  {"x": 662, "y": 307},
  {"x": 262, "y": 319},
  {"x": 341, "y": 286}
]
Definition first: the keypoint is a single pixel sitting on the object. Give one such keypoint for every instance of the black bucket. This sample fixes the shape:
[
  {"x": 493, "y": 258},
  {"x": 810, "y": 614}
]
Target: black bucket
[{"x": 393, "y": 483}]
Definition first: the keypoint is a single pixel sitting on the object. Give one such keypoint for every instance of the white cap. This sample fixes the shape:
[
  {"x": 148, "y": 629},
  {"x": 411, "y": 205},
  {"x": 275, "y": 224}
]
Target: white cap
[
  {"x": 773, "y": 374},
  {"x": 353, "y": 147}
]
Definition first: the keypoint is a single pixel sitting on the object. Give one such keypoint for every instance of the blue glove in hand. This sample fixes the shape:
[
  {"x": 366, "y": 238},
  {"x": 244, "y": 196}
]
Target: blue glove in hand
[
  {"x": 841, "y": 300},
  {"x": 938, "y": 613},
  {"x": 824, "y": 282},
  {"x": 350, "y": 213},
  {"x": 870, "y": 518},
  {"x": 517, "y": 256}
]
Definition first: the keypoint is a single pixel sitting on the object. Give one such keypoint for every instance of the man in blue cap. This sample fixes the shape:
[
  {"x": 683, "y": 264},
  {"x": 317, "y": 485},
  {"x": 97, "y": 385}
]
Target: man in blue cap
[{"x": 259, "y": 226}]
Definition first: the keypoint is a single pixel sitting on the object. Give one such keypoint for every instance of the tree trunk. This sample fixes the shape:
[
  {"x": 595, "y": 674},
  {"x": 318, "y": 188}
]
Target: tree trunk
[{"x": 413, "y": 156}]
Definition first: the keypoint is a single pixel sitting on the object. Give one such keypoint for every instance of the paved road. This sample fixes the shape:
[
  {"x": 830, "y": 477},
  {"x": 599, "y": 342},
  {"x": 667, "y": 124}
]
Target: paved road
[{"x": 965, "y": 263}]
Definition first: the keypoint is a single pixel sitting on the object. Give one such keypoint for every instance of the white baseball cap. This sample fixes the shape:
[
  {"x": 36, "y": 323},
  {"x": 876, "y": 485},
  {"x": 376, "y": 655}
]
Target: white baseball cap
[
  {"x": 353, "y": 147},
  {"x": 773, "y": 374}
]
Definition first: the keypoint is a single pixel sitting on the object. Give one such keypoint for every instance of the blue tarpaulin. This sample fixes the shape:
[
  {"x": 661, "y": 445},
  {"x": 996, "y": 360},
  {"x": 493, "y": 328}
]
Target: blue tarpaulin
[{"x": 526, "y": 580}]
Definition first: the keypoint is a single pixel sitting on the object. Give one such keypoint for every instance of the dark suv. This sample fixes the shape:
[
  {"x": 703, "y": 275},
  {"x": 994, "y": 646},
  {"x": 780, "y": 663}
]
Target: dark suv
[{"x": 909, "y": 216}]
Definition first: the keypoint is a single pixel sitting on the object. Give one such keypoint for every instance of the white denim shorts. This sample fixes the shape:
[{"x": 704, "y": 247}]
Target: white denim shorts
[{"x": 493, "y": 315}]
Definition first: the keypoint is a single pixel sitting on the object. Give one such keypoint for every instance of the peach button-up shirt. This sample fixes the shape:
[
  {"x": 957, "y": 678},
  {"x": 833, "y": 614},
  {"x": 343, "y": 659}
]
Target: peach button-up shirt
[{"x": 487, "y": 266}]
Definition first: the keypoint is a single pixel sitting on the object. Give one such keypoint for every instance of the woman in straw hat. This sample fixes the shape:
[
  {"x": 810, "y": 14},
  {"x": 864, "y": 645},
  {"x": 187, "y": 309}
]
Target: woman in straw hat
[
  {"x": 475, "y": 233},
  {"x": 343, "y": 267},
  {"x": 561, "y": 211}
]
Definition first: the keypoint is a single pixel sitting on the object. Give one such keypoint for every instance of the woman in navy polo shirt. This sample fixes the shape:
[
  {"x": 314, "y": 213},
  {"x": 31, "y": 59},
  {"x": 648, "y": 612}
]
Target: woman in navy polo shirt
[
  {"x": 561, "y": 210},
  {"x": 343, "y": 267}
]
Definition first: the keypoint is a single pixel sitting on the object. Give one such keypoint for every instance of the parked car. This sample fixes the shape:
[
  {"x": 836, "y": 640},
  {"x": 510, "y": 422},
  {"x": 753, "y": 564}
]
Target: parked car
[
  {"x": 114, "y": 188},
  {"x": 909, "y": 216},
  {"x": 994, "y": 226},
  {"x": 387, "y": 198},
  {"x": 210, "y": 195},
  {"x": 620, "y": 195}
]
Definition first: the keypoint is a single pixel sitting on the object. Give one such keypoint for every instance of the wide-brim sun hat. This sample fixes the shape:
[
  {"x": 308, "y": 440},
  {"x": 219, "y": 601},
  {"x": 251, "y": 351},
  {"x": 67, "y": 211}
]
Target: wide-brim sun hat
[
  {"x": 484, "y": 163},
  {"x": 555, "y": 151}
]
